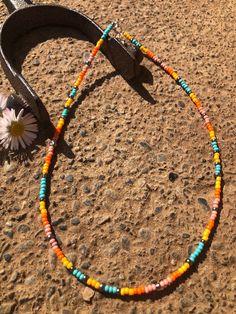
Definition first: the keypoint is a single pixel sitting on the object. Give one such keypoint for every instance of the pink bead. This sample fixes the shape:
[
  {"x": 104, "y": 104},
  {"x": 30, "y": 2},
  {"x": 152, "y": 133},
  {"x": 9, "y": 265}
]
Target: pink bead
[
  {"x": 54, "y": 246},
  {"x": 166, "y": 282},
  {"x": 153, "y": 287},
  {"x": 150, "y": 288},
  {"x": 48, "y": 233},
  {"x": 146, "y": 289},
  {"x": 162, "y": 283}
]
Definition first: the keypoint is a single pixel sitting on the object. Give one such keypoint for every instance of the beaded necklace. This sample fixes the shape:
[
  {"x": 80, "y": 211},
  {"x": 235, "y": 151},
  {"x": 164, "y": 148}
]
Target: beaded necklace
[{"x": 78, "y": 274}]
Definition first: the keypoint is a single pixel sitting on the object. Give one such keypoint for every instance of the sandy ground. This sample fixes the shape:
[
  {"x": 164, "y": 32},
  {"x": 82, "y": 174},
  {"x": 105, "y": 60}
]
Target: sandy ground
[{"x": 113, "y": 206}]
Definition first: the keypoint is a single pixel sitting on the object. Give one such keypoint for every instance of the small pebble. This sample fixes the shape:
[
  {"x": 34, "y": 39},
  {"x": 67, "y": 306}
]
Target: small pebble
[
  {"x": 87, "y": 294},
  {"x": 7, "y": 257},
  {"x": 125, "y": 244},
  {"x": 75, "y": 205},
  {"x": 75, "y": 221},
  {"x": 145, "y": 145},
  {"x": 23, "y": 228},
  {"x": 30, "y": 280},
  {"x": 113, "y": 249},
  {"x": 173, "y": 176},
  {"x": 82, "y": 133},
  {"x": 144, "y": 233},
  {"x": 85, "y": 265},
  {"x": 69, "y": 178},
  {"x": 181, "y": 104},
  {"x": 203, "y": 202},
  {"x": 8, "y": 233},
  {"x": 158, "y": 210},
  {"x": 161, "y": 157},
  {"x": 51, "y": 291}
]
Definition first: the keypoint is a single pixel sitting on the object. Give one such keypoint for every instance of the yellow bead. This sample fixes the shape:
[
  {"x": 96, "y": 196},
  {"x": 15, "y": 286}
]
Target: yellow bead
[
  {"x": 93, "y": 283},
  {"x": 205, "y": 238},
  {"x": 126, "y": 290},
  {"x": 99, "y": 43},
  {"x": 122, "y": 291},
  {"x": 186, "y": 265},
  {"x": 89, "y": 281},
  {"x": 127, "y": 35},
  {"x": 175, "y": 76},
  {"x": 97, "y": 285},
  {"x": 65, "y": 263},
  {"x": 69, "y": 265},
  {"x": 68, "y": 102},
  {"x": 143, "y": 49}
]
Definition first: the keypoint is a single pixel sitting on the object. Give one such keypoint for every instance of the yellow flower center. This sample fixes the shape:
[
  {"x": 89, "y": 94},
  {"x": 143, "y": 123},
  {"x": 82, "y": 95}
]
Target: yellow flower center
[{"x": 16, "y": 128}]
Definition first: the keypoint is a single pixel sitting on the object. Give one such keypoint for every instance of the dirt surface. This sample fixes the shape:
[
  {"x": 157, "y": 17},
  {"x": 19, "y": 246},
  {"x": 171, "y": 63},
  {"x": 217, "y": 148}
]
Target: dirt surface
[{"x": 119, "y": 216}]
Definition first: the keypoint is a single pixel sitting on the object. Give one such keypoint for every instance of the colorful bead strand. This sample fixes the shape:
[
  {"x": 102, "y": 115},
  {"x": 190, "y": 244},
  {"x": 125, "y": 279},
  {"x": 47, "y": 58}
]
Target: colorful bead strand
[{"x": 79, "y": 275}]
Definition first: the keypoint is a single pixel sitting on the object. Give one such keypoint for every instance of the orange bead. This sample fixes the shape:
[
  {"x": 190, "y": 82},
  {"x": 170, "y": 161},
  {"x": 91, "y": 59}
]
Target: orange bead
[{"x": 131, "y": 291}]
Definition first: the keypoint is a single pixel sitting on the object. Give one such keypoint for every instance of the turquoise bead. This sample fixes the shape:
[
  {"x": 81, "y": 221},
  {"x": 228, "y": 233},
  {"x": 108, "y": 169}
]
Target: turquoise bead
[{"x": 75, "y": 271}]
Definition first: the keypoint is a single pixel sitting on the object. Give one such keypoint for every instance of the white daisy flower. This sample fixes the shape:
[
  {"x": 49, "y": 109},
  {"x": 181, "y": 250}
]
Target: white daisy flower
[
  {"x": 17, "y": 131},
  {"x": 3, "y": 102}
]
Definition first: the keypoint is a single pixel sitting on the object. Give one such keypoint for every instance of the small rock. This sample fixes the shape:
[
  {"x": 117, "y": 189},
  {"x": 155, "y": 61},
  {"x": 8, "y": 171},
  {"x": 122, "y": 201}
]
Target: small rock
[
  {"x": 125, "y": 244},
  {"x": 84, "y": 250},
  {"x": 14, "y": 276},
  {"x": 173, "y": 176},
  {"x": 69, "y": 178},
  {"x": 87, "y": 294},
  {"x": 172, "y": 215},
  {"x": 82, "y": 133},
  {"x": 36, "y": 62},
  {"x": 23, "y": 228},
  {"x": 8, "y": 233},
  {"x": 161, "y": 157},
  {"x": 145, "y": 145},
  {"x": 203, "y": 202},
  {"x": 85, "y": 265},
  {"x": 63, "y": 227},
  {"x": 57, "y": 221},
  {"x": 158, "y": 210},
  {"x": 88, "y": 202},
  {"x": 21, "y": 217},
  {"x": 186, "y": 235},
  {"x": 51, "y": 291},
  {"x": 113, "y": 249},
  {"x": 9, "y": 167},
  {"x": 75, "y": 221},
  {"x": 2, "y": 192},
  {"x": 7, "y": 308},
  {"x": 86, "y": 189},
  {"x": 103, "y": 220},
  {"x": 144, "y": 233},
  {"x": 181, "y": 104},
  {"x": 75, "y": 205},
  {"x": 101, "y": 177},
  {"x": 173, "y": 262},
  {"x": 30, "y": 280},
  {"x": 7, "y": 257}
]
